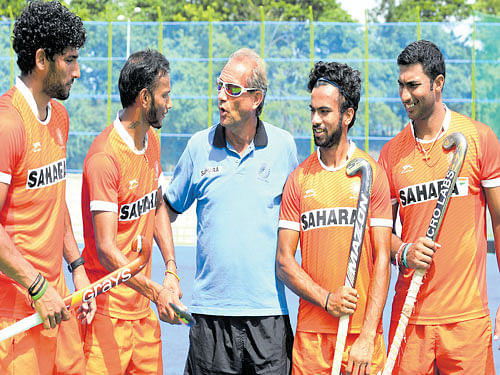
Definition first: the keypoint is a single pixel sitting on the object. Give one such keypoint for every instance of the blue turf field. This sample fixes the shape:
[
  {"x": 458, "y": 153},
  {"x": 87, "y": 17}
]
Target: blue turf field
[{"x": 175, "y": 338}]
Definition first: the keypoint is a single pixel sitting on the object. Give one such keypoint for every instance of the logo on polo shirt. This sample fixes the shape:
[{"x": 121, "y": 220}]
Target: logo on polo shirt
[
  {"x": 264, "y": 171},
  {"x": 142, "y": 206},
  {"x": 328, "y": 217},
  {"x": 211, "y": 170},
  {"x": 47, "y": 175},
  {"x": 132, "y": 184},
  {"x": 429, "y": 191}
]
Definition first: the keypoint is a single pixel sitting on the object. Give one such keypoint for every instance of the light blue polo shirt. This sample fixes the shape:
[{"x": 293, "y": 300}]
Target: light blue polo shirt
[{"x": 238, "y": 202}]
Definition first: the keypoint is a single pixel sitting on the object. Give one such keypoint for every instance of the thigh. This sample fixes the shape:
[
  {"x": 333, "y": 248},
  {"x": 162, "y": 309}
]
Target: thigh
[
  {"x": 107, "y": 345},
  {"x": 465, "y": 347},
  {"x": 268, "y": 345},
  {"x": 215, "y": 346},
  {"x": 146, "y": 355},
  {"x": 313, "y": 353},
  {"x": 69, "y": 352},
  {"x": 31, "y": 352}
]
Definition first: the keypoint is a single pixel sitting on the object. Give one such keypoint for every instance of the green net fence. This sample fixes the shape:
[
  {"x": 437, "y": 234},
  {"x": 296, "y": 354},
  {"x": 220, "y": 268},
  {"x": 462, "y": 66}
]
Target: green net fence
[{"x": 197, "y": 52}]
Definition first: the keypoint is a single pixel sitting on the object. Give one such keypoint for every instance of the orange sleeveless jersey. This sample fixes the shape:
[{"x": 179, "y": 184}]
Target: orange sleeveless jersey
[
  {"x": 120, "y": 179},
  {"x": 321, "y": 204},
  {"x": 33, "y": 163},
  {"x": 454, "y": 288}
]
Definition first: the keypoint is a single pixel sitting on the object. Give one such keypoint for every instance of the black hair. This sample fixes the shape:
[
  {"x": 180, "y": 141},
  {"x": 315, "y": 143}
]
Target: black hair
[
  {"x": 427, "y": 54},
  {"x": 49, "y": 26},
  {"x": 142, "y": 70},
  {"x": 346, "y": 79}
]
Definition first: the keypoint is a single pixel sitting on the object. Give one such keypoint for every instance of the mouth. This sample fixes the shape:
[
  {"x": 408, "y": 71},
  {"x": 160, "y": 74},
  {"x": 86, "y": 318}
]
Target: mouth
[
  {"x": 410, "y": 106},
  {"x": 318, "y": 131}
]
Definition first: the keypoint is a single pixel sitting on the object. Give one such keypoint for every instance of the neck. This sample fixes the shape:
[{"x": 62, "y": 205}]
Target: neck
[
  {"x": 430, "y": 127},
  {"x": 135, "y": 126},
  {"x": 335, "y": 156},
  {"x": 41, "y": 99},
  {"x": 240, "y": 137}
]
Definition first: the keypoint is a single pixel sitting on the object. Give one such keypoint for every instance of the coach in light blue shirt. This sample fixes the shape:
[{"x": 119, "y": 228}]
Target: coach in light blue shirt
[{"x": 236, "y": 171}]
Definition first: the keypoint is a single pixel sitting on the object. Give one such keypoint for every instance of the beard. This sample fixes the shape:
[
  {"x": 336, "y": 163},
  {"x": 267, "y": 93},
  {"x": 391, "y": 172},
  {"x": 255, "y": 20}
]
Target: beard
[
  {"x": 332, "y": 139},
  {"x": 53, "y": 87},
  {"x": 152, "y": 115}
]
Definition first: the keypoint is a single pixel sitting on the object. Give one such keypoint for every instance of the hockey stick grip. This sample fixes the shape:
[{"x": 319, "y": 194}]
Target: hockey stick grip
[
  {"x": 340, "y": 344},
  {"x": 90, "y": 292}
]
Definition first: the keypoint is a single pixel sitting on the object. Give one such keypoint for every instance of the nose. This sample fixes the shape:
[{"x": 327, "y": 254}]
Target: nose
[
  {"x": 76, "y": 72},
  {"x": 315, "y": 118},
  {"x": 404, "y": 94},
  {"x": 221, "y": 95},
  {"x": 169, "y": 103}
]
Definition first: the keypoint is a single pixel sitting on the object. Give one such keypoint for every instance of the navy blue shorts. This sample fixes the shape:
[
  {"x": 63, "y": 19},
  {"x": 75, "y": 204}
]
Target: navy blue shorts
[{"x": 220, "y": 345}]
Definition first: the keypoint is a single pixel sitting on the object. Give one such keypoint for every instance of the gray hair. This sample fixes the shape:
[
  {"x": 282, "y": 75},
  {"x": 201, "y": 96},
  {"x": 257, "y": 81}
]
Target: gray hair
[{"x": 258, "y": 78}]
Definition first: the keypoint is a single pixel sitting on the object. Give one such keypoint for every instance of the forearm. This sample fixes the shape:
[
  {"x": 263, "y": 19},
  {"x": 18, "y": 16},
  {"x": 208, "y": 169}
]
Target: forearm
[
  {"x": 163, "y": 233},
  {"x": 70, "y": 247},
  {"x": 13, "y": 264},
  {"x": 294, "y": 276},
  {"x": 112, "y": 258}
]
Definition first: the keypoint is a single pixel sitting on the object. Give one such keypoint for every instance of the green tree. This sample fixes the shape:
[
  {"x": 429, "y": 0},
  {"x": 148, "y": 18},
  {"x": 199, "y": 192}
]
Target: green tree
[
  {"x": 430, "y": 10},
  {"x": 220, "y": 10}
]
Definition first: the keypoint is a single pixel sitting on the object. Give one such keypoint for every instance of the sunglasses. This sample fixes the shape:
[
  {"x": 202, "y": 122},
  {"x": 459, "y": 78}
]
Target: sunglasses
[{"x": 233, "y": 89}]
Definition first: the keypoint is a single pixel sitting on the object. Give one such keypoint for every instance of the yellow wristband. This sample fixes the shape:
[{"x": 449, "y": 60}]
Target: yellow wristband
[{"x": 173, "y": 273}]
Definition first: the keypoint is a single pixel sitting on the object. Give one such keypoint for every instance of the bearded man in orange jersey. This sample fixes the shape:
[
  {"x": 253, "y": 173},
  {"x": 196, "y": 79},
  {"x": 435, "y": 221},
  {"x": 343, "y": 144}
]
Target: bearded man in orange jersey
[{"x": 35, "y": 227}]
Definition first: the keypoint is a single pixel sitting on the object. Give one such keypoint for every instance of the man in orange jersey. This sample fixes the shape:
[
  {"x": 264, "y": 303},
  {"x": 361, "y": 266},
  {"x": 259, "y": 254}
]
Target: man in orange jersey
[
  {"x": 450, "y": 329},
  {"x": 318, "y": 207},
  {"x": 121, "y": 199},
  {"x": 35, "y": 227}
]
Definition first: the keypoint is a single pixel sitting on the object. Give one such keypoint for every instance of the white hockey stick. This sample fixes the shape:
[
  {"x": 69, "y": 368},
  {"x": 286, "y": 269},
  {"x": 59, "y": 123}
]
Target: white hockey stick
[{"x": 354, "y": 167}]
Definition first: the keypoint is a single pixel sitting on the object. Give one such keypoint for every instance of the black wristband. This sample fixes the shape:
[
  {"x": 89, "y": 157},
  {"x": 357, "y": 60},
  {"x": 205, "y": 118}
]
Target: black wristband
[
  {"x": 34, "y": 284},
  {"x": 73, "y": 265},
  {"x": 326, "y": 302}
]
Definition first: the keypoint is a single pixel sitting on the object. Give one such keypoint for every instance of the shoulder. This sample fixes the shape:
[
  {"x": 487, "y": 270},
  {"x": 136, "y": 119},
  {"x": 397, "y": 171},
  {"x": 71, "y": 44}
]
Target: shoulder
[{"x": 277, "y": 133}]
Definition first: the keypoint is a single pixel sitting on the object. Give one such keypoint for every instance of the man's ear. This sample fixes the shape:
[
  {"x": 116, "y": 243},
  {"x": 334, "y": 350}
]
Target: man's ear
[
  {"x": 144, "y": 97},
  {"x": 41, "y": 59},
  {"x": 258, "y": 98},
  {"x": 348, "y": 116},
  {"x": 438, "y": 83}
]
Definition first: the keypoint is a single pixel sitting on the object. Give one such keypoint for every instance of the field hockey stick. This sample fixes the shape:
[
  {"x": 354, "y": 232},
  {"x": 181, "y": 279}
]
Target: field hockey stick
[
  {"x": 185, "y": 317},
  {"x": 90, "y": 292},
  {"x": 354, "y": 167},
  {"x": 460, "y": 142}
]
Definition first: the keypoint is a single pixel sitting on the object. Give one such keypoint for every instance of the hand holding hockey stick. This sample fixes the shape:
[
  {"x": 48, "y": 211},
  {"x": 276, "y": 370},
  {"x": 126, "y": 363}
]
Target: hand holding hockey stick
[
  {"x": 354, "y": 167},
  {"x": 460, "y": 142},
  {"x": 102, "y": 285}
]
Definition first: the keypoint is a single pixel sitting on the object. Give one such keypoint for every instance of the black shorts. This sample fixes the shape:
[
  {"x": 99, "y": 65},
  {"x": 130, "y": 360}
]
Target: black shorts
[{"x": 220, "y": 345}]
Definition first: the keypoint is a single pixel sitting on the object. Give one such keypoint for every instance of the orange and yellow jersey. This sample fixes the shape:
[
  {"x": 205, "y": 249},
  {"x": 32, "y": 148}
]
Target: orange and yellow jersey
[
  {"x": 33, "y": 164},
  {"x": 454, "y": 288},
  {"x": 119, "y": 178},
  {"x": 320, "y": 203}
]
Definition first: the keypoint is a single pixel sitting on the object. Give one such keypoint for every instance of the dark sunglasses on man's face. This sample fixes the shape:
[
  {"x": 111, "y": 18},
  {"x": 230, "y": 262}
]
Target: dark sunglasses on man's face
[{"x": 233, "y": 89}]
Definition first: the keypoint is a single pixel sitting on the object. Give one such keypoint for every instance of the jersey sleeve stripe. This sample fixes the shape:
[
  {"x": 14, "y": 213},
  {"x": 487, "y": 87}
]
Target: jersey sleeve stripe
[
  {"x": 490, "y": 183},
  {"x": 5, "y": 178},
  {"x": 286, "y": 224},
  {"x": 103, "y": 206},
  {"x": 376, "y": 222}
]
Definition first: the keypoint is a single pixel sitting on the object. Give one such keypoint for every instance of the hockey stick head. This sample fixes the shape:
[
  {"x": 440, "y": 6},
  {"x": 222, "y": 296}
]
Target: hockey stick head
[
  {"x": 358, "y": 165},
  {"x": 458, "y": 140}
]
